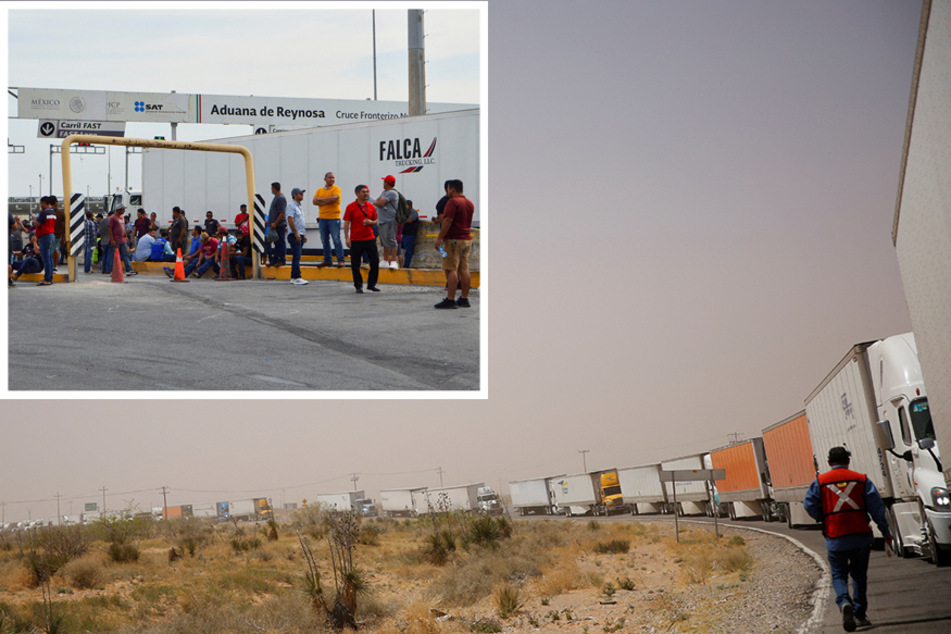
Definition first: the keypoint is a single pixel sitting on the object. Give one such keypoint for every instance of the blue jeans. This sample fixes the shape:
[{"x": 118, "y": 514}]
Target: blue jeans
[
  {"x": 202, "y": 269},
  {"x": 330, "y": 230},
  {"x": 240, "y": 266},
  {"x": 107, "y": 252},
  {"x": 296, "y": 247},
  {"x": 87, "y": 256},
  {"x": 409, "y": 248},
  {"x": 46, "y": 252},
  {"x": 854, "y": 563},
  {"x": 125, "y": 256},
  {"x": 279, "y": 248}
]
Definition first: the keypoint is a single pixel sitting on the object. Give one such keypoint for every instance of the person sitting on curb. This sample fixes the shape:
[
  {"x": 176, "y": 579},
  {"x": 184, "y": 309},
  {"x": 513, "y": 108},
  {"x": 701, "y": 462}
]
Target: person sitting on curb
[
  {"x": 241, "y": 253},
  {"x": 204, "y": 260},
  {"x": 225, "y": 241},
  {"x": 31, "y": 262}
]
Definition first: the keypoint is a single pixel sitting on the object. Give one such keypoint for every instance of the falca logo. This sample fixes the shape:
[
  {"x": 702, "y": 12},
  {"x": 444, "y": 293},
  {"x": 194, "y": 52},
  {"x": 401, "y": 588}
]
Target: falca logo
[{"x": 408, "y": 154}]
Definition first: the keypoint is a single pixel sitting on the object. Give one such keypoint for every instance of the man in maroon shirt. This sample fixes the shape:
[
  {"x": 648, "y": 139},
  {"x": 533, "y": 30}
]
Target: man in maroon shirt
[
  {"x": 119, "y": 238},
  {"x": 456, "y": 238}
]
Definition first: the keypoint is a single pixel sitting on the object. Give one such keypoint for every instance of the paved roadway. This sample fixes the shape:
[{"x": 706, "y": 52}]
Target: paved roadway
[
  {"x": 254, "y": 335},
  {"x": 905, "y": 595}
]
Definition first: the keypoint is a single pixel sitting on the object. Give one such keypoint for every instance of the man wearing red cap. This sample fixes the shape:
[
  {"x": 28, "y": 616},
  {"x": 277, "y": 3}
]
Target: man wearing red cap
[{"x": 386, "y": 210}]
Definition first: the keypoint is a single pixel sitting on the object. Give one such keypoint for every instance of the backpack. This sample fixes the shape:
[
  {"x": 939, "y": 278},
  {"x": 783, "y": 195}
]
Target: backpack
[{"x": 402, "y": 209}]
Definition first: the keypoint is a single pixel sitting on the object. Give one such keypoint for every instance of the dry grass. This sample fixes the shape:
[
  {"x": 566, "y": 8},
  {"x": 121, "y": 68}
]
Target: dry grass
[{"x": 224, "y": 589}]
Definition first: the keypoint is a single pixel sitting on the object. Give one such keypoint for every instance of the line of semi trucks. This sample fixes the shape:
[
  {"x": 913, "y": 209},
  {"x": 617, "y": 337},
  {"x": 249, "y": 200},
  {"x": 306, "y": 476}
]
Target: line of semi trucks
[{"x": 873, "y": 402}]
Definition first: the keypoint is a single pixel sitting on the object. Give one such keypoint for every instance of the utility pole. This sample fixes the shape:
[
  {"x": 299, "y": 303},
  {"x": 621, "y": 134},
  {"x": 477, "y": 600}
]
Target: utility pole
[
  {"x": 734, "y": 438},
  {"x": 374, "y": 54},
  {"x": 354, "y": 477},
  {"x": 584, "y": 459},
  {"x": 59, "y": 516},
  {"x": 440, "y": 472},
  {"x": 103, "y": 513},
  {"x": 164, "y": 502},
  {"x": 417, "y": 63}
]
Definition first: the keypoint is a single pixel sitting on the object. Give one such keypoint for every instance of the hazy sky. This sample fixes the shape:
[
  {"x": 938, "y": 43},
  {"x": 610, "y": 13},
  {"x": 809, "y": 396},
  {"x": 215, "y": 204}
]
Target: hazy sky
[{"x": 691, "y": 215}]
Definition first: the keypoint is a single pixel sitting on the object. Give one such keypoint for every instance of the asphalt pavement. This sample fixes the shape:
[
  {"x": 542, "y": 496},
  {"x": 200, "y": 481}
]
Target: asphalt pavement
[{"x": 151, "y": 334}]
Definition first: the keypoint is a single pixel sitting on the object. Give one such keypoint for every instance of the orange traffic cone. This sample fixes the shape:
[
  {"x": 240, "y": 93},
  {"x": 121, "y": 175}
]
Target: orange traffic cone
[
  {"x": 117, "y": 265},
  {"x": 179, "y": 268}
]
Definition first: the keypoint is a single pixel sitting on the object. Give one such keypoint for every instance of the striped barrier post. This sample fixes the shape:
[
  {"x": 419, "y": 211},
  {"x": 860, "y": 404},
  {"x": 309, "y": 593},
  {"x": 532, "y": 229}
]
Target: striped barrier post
[{"x": 76, "y": 236}]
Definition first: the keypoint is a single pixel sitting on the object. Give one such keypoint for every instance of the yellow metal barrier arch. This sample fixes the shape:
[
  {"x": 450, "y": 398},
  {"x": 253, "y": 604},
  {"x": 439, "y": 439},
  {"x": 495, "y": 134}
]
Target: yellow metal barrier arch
[{"x": 154, "y": 143}]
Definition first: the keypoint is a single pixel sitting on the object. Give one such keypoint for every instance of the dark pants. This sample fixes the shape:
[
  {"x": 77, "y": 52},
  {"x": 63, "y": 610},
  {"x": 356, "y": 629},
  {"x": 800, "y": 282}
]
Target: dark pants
[
  {"x": 27, "y": 265},
  {"x": 238, "y": 264},
  {"x": 845, "y": 564},
  {"x": 409, "y": 248},
  {"x": 297, "y": 247},
  {"x": 45, "y": 243},
  {"x": 359, "y": 248},
  {"x": 279, "y": 248}
]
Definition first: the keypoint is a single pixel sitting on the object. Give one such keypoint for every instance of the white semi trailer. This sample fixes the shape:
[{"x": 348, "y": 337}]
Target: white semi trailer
[
  {"x": 421, "y": 152},
  {"x": 693, "y": 497},
  {"x": 533, "y": 496},
  {"x": 921, "y": 231},
  {"x": 346, "y": 501},
  {"x": 874, "y": 404},
  {"x": 464, "y": 498},
  {"x": 403, "y": 502},
  {"x": 642, "y": 489}
]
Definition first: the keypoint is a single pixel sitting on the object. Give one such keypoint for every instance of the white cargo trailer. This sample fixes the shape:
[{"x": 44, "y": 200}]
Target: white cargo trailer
[
  {"x": 205, "y": 511},
  {"x": 346, "y": 501},
  {"x": 403, "y": 502},
  {"x": 576, "y": 494},
  {"x": 421, "y": 152},
  {"x": 693, "y": 497},
  {"x": 921, "y": 231},
  {"x": 464, "y": 497},
  {"x": 533, "y": 496},
  {"x": 874, "y": 404},
  {"x": 642, "y": 489}
]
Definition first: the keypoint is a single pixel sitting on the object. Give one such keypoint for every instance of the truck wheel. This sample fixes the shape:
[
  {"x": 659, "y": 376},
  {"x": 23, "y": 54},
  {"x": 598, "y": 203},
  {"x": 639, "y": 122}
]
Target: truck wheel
[{"x": 939, "y": 556}]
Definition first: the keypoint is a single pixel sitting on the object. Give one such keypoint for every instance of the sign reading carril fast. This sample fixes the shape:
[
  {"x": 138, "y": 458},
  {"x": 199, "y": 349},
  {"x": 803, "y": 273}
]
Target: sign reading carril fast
[{"x": 91, "y": 105}]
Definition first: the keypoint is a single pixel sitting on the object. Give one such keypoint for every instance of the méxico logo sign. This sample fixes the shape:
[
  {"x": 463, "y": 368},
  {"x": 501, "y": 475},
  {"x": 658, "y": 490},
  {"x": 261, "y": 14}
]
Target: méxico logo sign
[{"x": 408, "y": 154}]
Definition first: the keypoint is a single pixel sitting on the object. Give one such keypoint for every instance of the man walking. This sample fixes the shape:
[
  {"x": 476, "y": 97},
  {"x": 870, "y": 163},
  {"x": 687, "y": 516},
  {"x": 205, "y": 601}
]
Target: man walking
[
  {"x": 456, "y": 232},
  {"x": 327, "y": 199},
  {"x": 119, "y": 238},
  {"x": 386, "y": 210},
  {"x": 276, "y": 220},
  {"x": 295, "y": 222},
  {"x": 358, "y": 222},
  {"x": 843, "y": 500}
]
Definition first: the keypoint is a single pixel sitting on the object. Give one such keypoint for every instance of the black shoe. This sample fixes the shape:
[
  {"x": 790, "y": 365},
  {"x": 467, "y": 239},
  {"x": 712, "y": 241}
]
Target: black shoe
[
  {"x": 168, "y": 272},
  {"x": 463, "y": 302},
  {"x": 848, "y": 618},
  {"x": 359, "y": 290},
  {"x": 132, "y": 273},
  {"x": 446, "y": 303},
  {"x": 373, "y": 288},
  {"x": 862, "y": 621}
]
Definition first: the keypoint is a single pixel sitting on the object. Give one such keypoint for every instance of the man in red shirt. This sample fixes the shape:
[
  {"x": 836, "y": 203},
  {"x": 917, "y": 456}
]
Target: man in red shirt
[
  {"x": 119, "y": 238},
  {"x": 206, "y": 257},
  {"x": 358, "y": 221},
  {"x": 456, "y": 239}
]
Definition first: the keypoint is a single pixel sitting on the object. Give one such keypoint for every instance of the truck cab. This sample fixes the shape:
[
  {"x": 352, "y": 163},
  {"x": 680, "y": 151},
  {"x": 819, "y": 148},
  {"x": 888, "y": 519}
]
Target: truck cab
[
  {"x": 131, "y": 199},
  {"x": 489, "y": 503},
  {"x": 610, "y": 491}
]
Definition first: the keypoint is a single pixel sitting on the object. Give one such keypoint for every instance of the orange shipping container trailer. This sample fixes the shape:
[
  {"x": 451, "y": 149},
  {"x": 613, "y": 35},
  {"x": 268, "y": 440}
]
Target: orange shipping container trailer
[
  {"x": 746, "y": 486},
  {"x": 792, "y": 466}
]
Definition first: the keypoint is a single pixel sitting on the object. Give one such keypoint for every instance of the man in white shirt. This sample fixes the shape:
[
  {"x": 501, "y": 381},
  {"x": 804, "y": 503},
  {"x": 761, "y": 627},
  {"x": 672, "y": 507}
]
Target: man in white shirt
[{"x": 296, "y": 237}]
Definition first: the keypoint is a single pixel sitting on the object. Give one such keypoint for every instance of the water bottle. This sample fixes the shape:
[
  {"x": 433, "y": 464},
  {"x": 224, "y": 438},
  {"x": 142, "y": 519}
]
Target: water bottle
[{"x": 442, "y": 251}]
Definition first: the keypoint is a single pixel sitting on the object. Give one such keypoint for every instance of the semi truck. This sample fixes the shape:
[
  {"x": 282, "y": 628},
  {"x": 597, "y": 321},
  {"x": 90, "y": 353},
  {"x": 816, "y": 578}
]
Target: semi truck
[
  {"x": 463, "y": 497},
  {"x": 792, "y": 467},
  {"x": 421, "y": 152},
  {"x": 642, "y": 489},
  {"x": 253, "y": 510},
  {"x": 530, "y": 497},
  {"x": 489, "y": 502},
  {"x": 745, "y": 487},
  {"x": 346, "y": 501},
  {"x": 921, "y": 231},
  {"x": 403, "y": 502},
  {"x": 597, "y": 493},
  {"x": 693, "y": 497},
  {"x": 874, "y": 404}
]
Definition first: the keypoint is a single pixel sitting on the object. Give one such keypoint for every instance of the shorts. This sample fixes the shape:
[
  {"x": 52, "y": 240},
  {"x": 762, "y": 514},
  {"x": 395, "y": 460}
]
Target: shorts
[
  {"x": 457, "y": 255},
  {"x": 56, "y": 244},
  {"x": 388, "y": 235}
]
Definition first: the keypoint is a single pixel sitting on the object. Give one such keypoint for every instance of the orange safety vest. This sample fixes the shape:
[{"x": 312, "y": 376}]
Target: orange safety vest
[{"x": 843, "y": 503}]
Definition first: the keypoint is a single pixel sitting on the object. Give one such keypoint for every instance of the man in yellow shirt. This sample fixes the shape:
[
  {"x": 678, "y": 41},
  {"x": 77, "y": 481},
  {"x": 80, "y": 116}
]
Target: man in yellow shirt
[{"x": 327, "y": 199}]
